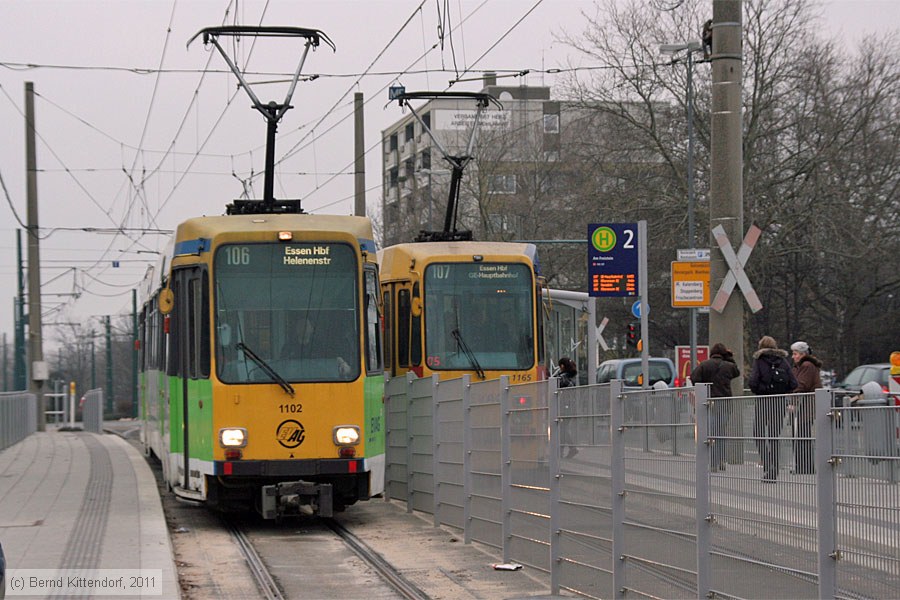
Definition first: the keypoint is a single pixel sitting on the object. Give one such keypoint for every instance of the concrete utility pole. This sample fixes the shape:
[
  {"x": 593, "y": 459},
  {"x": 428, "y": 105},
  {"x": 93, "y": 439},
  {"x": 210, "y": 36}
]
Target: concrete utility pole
[
  {"x": 726, "y": 168},
  {"x": 359, "y": 149},
  {"x": 38, "y": 368}
]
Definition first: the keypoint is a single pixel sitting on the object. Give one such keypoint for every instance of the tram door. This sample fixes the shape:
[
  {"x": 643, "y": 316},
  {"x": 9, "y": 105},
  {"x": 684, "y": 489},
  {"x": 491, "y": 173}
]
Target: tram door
[
  {"x": 403, "y": 335},
  {"x": 191, "y": 361}
]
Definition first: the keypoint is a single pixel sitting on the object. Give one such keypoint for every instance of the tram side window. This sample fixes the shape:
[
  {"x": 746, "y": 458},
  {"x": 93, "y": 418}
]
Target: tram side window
[
  {"x": 142, "y": 340},
  {"x": 373, "y": 329},
  {"x": 189, "y": 325},
  {"x": 540, "y": 324},
  {"x": 198, "y": 328},
  {"x": 203, "y": 352},
  {"x": 160, "y": 333},
  {"x": 403, "y": 317},
  {"x": 387, "y": 331},
  {"x": 416, "y": 333},
  {"x": 193, "y": 318},
  {"x": 152, "y": 337},
  {"x": 173, "y": 364}
]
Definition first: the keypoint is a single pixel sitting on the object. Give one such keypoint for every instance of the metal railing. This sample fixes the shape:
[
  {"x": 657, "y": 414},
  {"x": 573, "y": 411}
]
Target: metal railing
[
  {"x": 92, "y": 411},
  {"x": 18, "y": 417},
  {"x": 608, "y": 493}
]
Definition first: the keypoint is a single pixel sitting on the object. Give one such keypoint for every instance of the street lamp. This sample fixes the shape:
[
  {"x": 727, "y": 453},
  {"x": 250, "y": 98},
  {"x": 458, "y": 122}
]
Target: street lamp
[{"x": 672, "y": 50}]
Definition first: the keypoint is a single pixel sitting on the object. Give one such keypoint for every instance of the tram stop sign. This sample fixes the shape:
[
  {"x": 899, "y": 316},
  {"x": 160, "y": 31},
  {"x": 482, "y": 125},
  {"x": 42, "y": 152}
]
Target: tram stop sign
[{"x": 612, "y": 259}]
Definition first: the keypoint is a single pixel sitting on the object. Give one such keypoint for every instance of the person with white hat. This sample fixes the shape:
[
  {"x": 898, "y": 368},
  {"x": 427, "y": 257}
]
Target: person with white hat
[{"x": 806, "y": 370}]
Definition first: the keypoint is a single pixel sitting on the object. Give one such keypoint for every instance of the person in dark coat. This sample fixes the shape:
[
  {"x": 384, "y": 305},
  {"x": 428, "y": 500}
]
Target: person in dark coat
[
  {"x": 718, "y": 371},
  {"x": 770, "y": 407},
  {"x": 568, "y": 372},
  {"x": 568, "y": 377},
  {"x": 807, "y": 372}
]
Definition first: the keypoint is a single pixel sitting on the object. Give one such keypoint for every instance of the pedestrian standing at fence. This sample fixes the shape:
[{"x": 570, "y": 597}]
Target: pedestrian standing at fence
[
  {"x": 770, "y": 378},
  {"x": 719, "y": 369},
  {"x": 568, "y": 377},
  {"x": 809, "y": 379}
]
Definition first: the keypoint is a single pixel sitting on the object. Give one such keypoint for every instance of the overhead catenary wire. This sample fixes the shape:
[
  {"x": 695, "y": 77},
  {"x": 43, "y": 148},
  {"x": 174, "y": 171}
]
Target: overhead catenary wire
[
  {"x": 184, "y": 119},
  {"x": 297, "y": 146},
  {"x": 312, "y": 76},
  {"x": 353, "y": 86},
  {"x": 146, "y": 126},
  {"x": 500, "y": 39},
  {"x": 317, "y": 133}
]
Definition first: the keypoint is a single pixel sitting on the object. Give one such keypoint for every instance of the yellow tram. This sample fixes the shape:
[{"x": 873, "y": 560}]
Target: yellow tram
[
  {"x": 456, "y": 307},
  {"x": 261, "y": 374}
]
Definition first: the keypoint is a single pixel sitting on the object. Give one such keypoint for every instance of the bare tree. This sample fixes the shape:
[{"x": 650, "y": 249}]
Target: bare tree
[{"x": 820, "y": 163}]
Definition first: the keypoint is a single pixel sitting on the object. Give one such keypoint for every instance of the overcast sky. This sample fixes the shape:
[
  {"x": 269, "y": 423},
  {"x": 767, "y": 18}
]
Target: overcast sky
[{"x": 96, "y": 108}]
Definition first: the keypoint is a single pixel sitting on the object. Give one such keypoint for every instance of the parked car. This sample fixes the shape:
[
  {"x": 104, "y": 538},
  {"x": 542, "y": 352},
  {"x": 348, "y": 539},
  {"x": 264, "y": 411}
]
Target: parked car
[
  {"x": 879, "y": 373},
  {"x": 849, "y": 391},
  {"x": 629, "y": 370}
]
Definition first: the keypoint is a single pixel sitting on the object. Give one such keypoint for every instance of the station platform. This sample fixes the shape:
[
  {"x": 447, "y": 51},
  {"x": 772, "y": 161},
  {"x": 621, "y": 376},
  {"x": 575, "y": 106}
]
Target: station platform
[{"x": 82, "y": 505}]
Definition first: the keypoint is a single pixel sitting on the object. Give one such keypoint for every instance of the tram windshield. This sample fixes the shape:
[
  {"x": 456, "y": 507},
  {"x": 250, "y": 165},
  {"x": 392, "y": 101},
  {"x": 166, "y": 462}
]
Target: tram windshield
[
  {"x": 293, "y": 305},
  {"x": 479, "y": 316}
]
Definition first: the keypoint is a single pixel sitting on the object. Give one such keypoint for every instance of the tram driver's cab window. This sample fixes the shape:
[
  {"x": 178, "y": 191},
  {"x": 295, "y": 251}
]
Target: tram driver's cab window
[{"x": 479, "y": 313}]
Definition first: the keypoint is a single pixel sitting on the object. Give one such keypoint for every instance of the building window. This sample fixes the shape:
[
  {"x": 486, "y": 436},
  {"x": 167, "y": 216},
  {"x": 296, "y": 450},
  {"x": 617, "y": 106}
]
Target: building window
[
  {"x": 505, "y": 223},
  {"x": 410, "y": 132},
  {"x": 426, "y": 158},
  {"x": 551, "y": 123},
  {"x": 393, "y": 142},
  {"x": 502, "y": 184},
  {"x": 393, "y": 177}
]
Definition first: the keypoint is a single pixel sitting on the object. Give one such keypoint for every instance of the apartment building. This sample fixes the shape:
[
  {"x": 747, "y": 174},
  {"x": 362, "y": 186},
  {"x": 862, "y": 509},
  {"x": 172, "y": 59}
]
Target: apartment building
[{"x": 510, "y": 143}]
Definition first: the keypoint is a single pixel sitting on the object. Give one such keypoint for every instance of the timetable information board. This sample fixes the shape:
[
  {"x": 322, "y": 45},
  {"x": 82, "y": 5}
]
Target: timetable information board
[{"x": 613, "y": 259}]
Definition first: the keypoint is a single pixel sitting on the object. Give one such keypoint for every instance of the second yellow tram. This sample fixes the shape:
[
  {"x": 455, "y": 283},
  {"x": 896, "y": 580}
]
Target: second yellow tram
[{"x": 460, "y": 307}]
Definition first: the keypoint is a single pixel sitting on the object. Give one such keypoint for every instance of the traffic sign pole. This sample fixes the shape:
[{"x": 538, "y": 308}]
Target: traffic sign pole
[{"x": 645, "y": 305}]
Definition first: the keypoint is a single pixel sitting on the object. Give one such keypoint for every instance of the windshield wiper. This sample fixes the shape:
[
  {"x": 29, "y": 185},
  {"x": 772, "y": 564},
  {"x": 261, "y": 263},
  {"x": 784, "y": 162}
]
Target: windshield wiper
[
  {"x": 468, "y": 352},
  {"x": 287, "y": 387}
]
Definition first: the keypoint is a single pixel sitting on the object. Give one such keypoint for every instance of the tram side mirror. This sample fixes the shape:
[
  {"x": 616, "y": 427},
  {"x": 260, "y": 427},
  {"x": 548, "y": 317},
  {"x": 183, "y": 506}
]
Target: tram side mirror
[
  {"x": 166, "y": 300},
  {"x": 416, "y": 307}
]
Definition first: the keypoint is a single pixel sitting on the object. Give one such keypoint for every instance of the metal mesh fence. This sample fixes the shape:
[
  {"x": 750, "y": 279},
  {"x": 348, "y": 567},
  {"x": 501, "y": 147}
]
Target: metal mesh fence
[
  {"x": 18, "y": 417},
  {"x": 660, "y": 493},
  {"x": 485, "y": 515},
  {"x": 92, "y": 411}
]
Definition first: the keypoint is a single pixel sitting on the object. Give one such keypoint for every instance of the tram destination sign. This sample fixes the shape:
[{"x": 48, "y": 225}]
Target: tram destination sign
[{"x": 612, "y": 259}]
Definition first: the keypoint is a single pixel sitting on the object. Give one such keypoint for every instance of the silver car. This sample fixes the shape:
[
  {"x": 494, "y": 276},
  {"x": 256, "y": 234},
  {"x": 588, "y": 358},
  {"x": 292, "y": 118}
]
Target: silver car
[{"x": 629, "y": 370}]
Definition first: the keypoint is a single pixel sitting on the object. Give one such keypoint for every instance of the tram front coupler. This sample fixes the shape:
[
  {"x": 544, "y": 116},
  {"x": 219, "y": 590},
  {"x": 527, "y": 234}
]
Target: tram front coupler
[{"x": 294, "y": 498}]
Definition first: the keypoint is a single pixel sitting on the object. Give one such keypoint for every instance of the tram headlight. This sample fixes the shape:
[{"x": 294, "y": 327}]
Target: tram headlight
[
  {"x": 346, "y": 435},
  {"x": 233, "y": 437}
]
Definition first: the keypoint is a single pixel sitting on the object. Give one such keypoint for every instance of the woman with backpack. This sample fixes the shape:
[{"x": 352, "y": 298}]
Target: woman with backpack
[{"x": 770, "y": 378}]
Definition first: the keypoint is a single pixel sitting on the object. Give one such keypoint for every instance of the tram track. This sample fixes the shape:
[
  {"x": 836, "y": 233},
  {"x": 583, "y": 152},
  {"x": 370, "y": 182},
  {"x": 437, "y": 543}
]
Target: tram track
[
  {"x": 269, "y": 587},
  {"x": 264, "y": 580},
  {"x": 385, "y": 569}
]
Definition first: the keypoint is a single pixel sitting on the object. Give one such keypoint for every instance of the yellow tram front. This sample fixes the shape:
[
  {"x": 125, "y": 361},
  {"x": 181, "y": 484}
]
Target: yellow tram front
[
  {"x": 288, "y": 407},
  {"x": 462, "y": 307}
]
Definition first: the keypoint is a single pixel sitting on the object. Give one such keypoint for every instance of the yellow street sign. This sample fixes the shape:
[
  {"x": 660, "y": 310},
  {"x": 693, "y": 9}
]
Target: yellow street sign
[{"x": 690, "y": 284}]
